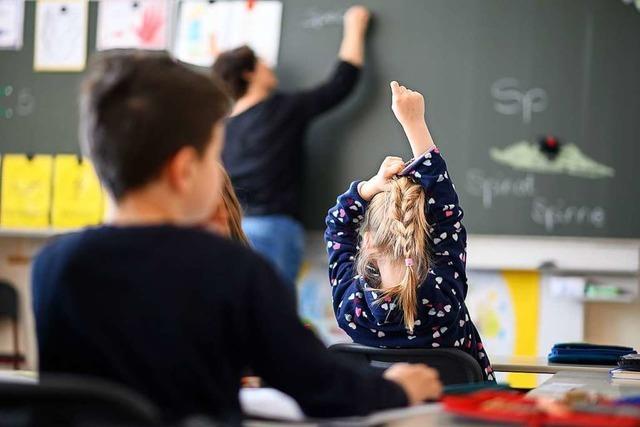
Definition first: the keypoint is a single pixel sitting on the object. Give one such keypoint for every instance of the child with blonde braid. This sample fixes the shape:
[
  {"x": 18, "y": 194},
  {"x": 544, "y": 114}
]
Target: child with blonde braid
[{"x": 397, "y": 250}]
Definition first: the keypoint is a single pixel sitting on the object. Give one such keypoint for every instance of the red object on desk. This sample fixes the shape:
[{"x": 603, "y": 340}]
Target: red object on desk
[{"x": 514, "y": 408}]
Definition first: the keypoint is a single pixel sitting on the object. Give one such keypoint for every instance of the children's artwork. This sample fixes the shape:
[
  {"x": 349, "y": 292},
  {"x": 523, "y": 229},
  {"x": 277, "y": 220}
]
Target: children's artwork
[
  {"x": 491, "y": 306},
  {"x": 194, "y": 33},
  {"x": 26, "y": 191},
  {"x": 11, "y": 24},
  {"x": 61, "y": 35},
  {"x": 136, "y": 24},
  {"x": 314, "y": 293},
  {"x": 77, "y": 195},
  {"x": 504, "y": 307},
  {"x": 204, "y": 28}
]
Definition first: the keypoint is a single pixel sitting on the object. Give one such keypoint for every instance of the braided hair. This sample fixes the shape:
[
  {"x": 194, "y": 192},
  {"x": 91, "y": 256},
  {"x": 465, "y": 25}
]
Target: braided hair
[{"x": 396, "y": 228}]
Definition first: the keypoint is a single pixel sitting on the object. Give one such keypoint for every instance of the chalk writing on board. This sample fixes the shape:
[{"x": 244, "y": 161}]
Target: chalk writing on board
[
  {"x": 510, "y": 100},
  {"x": 636, "y": 2},
  {"x": 26, "y": 102},
  {"x": 5, "y": 92},
  {"x": 317, "y": 20},
  {"x": 21, "y": 103},
  {"x": 526, "y": 156},
  {"x": 489, "y": 188},
  {"x": 557, "y": 214}
]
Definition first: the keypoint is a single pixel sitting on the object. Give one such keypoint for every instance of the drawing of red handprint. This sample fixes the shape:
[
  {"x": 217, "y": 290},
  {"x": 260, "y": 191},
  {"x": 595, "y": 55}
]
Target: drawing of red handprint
[{"x": 152, "y": 22}]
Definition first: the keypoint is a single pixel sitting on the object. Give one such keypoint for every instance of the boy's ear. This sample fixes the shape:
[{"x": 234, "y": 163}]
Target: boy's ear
[
  {"x": 248, "y": 76},
  {"x": 181, "y": 169}
]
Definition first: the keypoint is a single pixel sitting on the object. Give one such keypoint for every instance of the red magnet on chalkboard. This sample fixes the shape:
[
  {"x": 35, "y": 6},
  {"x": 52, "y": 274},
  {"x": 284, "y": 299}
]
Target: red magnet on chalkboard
[
  {"x": 550, "y": 146},
  {"x": 250, "y": 4}
]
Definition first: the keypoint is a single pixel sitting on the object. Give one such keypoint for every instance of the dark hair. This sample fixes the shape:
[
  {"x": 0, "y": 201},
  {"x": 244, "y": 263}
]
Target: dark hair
[
  {"x": 230, "y": 67},
  {"x": 138, "y": 109}
]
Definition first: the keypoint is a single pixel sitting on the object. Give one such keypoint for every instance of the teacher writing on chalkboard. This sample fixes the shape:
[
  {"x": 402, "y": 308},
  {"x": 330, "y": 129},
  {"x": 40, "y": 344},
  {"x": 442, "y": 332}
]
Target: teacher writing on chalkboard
[{"x": 264, "y": 140}]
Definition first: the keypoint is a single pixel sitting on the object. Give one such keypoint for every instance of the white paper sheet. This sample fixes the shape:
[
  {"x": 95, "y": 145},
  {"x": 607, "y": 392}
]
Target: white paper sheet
[
  {"x": 20, "y": 377},
  {"x": 272, "y": 404},
  {"x": 232, "y": 24},
  {"x": 568, "y": 287},
  {"x": 61, "y": 35},
  {"x": 269, "y": 403},
  {"x": 11, "y": 24},
  {"x": 135, "y": 24}
]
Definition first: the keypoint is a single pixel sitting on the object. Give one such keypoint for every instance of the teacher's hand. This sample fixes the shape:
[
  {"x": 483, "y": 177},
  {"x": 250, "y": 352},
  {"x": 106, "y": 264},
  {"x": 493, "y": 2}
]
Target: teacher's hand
[{"x": 356, "y": 20}]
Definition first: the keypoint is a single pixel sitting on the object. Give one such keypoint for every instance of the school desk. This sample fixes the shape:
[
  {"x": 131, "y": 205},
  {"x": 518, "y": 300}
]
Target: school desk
[
  {"x": 540, "y": 365},
  {"x": 432, "y": 414},
  {"x": 591, "y": 381}
]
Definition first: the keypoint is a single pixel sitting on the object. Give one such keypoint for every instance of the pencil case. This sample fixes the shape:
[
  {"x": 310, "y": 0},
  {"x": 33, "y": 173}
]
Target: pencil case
[{"x": 590, "y": 354}]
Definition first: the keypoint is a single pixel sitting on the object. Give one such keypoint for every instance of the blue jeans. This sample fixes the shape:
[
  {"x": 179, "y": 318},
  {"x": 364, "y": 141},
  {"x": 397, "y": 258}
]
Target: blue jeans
[{"x": 280, "y": 239}]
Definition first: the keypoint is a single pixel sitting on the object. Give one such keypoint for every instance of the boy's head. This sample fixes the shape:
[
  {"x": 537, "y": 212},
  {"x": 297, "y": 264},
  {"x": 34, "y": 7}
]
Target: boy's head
[
  {"x": 241, "y": 69},
  {"x": 147, "y": 120}
]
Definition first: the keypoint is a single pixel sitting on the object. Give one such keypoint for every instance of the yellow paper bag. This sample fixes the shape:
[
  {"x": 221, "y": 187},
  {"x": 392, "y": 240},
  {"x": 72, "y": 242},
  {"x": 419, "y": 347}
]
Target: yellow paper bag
[
  {"x": 26, "y": 191},
  {"x": 77, "y": 195}
]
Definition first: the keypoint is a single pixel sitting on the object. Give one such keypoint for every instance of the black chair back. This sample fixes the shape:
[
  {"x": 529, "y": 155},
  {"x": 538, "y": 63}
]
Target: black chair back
[
  {"x": 74, "y": 401},
  {"x": 8, "y": 301},
  {"x": 454, "y": 366},
  {"x": 9, "y": 308}
]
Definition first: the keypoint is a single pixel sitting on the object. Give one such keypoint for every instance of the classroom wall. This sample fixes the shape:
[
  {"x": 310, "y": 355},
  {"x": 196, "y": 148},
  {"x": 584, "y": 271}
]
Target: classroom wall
[{"x": 613, "y": 323}]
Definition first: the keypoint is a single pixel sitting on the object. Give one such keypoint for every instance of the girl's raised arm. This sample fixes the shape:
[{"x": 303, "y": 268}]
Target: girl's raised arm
[
  {"x": 408, "y": 107},
  {"x": 444, "y": 215}
]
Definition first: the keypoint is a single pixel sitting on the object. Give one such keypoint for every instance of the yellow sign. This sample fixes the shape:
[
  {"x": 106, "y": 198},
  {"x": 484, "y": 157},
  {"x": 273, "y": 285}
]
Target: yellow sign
[
  {"x": 26, "y": 191},
  {"x": 77, "y": 195}
]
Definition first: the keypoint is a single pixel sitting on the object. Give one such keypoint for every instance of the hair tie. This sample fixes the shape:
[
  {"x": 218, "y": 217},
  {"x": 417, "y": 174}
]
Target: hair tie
[{"x": 408, "y": 262}]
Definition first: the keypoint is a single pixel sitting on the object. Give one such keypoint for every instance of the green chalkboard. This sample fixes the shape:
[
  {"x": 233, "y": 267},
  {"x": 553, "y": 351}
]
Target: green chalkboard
[{"x": 497, "y": 75}]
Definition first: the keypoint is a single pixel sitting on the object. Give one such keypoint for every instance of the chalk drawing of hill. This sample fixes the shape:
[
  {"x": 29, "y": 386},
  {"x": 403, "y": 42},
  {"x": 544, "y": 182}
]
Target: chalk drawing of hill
[{"x": 526, "y": 156}]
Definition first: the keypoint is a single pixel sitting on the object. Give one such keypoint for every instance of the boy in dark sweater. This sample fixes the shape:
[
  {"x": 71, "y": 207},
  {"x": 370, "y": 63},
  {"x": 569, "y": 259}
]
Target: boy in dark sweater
[{"x": 155, "y": 302}]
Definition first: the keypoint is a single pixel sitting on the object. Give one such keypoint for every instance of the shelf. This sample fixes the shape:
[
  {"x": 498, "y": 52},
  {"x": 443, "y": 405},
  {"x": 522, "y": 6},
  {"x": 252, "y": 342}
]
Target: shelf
[
  {"x": 34, "y": 233},
  {"x": 625, "y": 299},
  {"x": 555, "y": 255}
]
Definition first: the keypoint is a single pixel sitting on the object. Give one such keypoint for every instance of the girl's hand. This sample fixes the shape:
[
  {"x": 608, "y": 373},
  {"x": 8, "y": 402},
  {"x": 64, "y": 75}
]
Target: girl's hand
[
  {"x": 390, "y": 167},
  {"x": 407, "y": 105}
]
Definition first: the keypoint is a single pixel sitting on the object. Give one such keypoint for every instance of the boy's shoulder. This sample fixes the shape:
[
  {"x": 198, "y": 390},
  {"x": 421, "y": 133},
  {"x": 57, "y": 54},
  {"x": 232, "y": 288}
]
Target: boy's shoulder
[{"x": 104, "y": 242}]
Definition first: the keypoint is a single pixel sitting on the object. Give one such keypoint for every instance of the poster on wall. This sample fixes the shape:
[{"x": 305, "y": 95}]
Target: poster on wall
[
  {"x": 77, "y": 195},
  {"x": 25, "y": 191},
  {"x": 133, "y": 24},
  {"x": 11, "y": 24},
  {"x": 60, "y": 35},
  {"x": 206, "y": 28}
]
